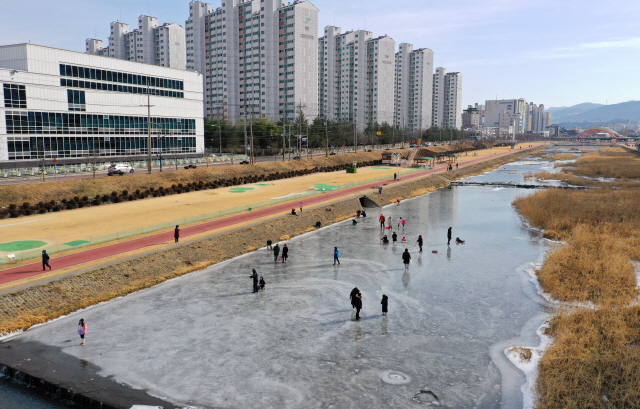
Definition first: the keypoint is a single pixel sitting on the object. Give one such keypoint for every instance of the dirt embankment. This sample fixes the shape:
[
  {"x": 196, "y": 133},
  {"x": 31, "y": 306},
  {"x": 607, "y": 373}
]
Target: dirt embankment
[
  {"x": 68, "y": 189},
  {"x": 42, "y": 303}
]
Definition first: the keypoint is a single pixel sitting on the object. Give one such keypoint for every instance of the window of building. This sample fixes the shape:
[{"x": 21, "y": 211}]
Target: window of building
[{"x": 15, "y": 96}]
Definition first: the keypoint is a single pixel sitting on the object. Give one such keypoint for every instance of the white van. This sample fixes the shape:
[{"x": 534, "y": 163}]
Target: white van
[{"x": 119, "y": 169}]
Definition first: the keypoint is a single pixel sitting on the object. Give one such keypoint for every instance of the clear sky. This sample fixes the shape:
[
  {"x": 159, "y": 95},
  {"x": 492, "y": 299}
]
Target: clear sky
[{"x": 555, "y": 52}]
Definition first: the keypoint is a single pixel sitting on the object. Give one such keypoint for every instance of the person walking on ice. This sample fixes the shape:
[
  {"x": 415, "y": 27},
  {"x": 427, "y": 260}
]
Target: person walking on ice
[
  {"x": 276, "y": 252},
  {"x": 419, "y": 242},
  {"x": 449, "y": 236},
  {"x": 269, "y": 242},
  {"x": 382, "y": 219},
  {"x": 384, "y": 302},
  {"x": 176, "y": 233},
  {"x": 358, "y": 305},
  {"x": 254, "y": 276},
  {"x": 285, "y": 253},
  {"x": 336, "y": 256},
  {"x": 394, "y": 237},
  {"x": 45, "y": 260},
  {"x": 406, "y": 258},
  {"x": 82, "y": 330},
  {"x": 352, "y": 296}
]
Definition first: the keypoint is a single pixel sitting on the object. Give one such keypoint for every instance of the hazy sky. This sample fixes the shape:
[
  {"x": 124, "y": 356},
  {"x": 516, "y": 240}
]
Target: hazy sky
[{"x": 555, "y": 52}]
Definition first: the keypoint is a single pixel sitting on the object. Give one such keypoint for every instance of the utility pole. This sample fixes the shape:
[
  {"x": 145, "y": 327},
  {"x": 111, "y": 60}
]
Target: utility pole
[
  {"x": 326, "y": 132},
  {"x": 220, "y": 136},
  {"x": 251, "y": 131},
  {"x": 148, "y": 126}
]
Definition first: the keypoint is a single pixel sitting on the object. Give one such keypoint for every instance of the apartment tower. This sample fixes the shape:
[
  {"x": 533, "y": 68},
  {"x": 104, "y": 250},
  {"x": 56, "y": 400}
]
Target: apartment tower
[
  {"x": 447, "y": 99},
  {"x": 413, "y": 88}
]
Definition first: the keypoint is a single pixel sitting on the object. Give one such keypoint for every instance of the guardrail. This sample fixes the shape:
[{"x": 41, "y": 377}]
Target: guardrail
[{"x": 57, "y": 248}]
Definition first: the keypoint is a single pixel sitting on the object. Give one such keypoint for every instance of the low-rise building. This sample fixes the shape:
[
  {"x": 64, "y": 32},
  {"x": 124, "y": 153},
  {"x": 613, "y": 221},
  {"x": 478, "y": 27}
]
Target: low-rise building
[{"x": 66, "y": 104}]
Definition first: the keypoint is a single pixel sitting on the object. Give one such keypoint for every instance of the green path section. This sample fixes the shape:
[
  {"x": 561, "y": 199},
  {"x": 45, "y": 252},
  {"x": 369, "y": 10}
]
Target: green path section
[
  {"x": 380, "y": 167},
  {"x": 22, "y": 245},
  {"x": 76, "y": 243},
  {"x": 240, "y": 189},
  {"x": 324, "y": 187}
]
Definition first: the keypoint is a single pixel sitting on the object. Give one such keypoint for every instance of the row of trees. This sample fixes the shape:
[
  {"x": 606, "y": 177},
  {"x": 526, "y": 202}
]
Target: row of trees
[{"x": 223, "y": 136}]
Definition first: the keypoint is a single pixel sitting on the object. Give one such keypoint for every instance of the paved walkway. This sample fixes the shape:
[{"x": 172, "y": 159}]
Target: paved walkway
[{"x": 70, "y": 260}]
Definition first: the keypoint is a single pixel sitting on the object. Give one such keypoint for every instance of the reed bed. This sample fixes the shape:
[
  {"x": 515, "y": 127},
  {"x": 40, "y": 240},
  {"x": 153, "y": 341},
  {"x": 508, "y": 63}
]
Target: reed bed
[{"x": 594, "y": 361}]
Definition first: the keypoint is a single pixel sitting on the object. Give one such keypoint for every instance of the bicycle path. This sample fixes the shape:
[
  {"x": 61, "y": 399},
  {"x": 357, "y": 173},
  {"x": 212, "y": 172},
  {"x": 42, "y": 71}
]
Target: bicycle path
[{"x": 33, "y": 269}]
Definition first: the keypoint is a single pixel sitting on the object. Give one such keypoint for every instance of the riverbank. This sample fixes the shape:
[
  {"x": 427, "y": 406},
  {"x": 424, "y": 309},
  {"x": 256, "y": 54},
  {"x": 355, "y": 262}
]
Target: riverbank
[
  {"x": 593, "y": 361},
  {"x": 42, "y": 303}
]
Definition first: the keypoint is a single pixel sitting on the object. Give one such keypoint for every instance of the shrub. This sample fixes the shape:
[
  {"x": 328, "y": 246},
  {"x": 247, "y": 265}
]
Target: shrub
[
  {"x": 155, "y": 194},
  {"x": 138, "y": 192},
  {"x": 132, "y": 197},
  {"x": 105, "y": 198},
  {"x": 116, "y": 199},
  {"x": 85, "y": 198},
  {"x": 76, "y": 199},
  {"x": 125, "y": 193},
  {"x": 70, "y": 205},
  {"x": 41, "y": 204},
  {"x": 96, "y": 202},
  {"x": 114, "y": 194},
  {"x": 81, "y": 204},
  {"x": 97, "y": 197},
  {"x": 151, "y": 189},
  {"x": 53, "y": 203},
  {"x": 26, "y": 205},
  {"x": 57, "y": 208},
  {"x": 14, "y": 214}
]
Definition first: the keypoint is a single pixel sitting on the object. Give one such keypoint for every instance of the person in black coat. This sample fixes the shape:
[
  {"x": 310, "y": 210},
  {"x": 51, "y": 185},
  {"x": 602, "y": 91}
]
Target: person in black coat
[
  {"x": 276, "y": 252},
  {"x": 269, "y": 242},
  {"x": 406, "y": 258},
  {"x": 420, "y": 242},
  {"x": 449, "y": 236},
  {"x": 384, "y": 302},
  {"x": 45, "y": 260},
  {"x": 352, "y": 296},
  {"x": 394, "y": 237},
  {"x": 255, "y": 280},
  {"x": 285, "y": 253},
  {"x": 358, "y": 305},
  {"x": 176, "y": 233}
]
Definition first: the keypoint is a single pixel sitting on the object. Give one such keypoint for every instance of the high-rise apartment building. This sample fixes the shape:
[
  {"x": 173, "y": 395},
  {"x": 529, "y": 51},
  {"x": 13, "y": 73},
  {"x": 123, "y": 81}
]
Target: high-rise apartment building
[
  {"x": 536, "y": 118},
  {"x": 356, "y": 77},
  {"x": 260, "y": 58},
  {"x": 447, "y": 99},
  {"x": 413, "y": 88},
  {"x": 471, "y": 118},
  {"x": 148, "y": 44}
]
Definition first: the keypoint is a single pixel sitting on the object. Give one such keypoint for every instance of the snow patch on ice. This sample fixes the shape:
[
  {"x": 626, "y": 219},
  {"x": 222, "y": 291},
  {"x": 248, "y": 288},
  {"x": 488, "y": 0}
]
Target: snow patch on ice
[{"x": 529, "y": 366}]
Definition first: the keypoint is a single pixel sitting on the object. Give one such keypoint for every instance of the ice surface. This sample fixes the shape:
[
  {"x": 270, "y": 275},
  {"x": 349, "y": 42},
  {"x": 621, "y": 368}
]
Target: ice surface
[{"x": 205, "y": 340}]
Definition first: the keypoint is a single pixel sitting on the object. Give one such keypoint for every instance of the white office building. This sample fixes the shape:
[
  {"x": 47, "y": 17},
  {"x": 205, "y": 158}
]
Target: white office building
[
  {"x": 260, "y": 58},
  {"x": 499, "y": 113},
  {"x": 149, "y": 43},
  {"x": 65, "y": 104},
  {"x": 356, "y": 77},
  {"x": 413, "y": 88}
]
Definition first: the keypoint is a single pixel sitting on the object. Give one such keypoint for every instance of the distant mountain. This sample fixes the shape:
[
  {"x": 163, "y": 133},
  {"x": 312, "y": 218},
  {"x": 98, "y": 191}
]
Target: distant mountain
[
  {"x": 600, "y": 113},
  {"x": 567, "y": 113}
]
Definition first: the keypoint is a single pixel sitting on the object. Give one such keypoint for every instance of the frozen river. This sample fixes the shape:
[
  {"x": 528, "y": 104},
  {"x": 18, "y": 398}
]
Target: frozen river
[{"x": 207, "y": 341}]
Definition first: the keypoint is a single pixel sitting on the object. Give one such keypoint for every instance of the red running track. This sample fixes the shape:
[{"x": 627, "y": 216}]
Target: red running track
[{"x": 75, "y": 259}]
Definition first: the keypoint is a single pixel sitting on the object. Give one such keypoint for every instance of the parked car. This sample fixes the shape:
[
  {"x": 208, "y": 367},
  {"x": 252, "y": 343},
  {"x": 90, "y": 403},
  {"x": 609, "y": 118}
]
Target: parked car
[
  {"x": 190, "y": 167},
  {"x": 244, "y": 162},
  {"x": 296, "y": 157},
  {"x": 413, "y": 145},
  {"x": 332, "y": 153},
  {"x": 119, "y": 169}
]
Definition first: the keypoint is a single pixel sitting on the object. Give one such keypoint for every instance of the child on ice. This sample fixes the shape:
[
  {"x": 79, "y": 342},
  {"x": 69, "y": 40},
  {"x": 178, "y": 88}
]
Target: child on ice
[{"x": 82, "y": 329}]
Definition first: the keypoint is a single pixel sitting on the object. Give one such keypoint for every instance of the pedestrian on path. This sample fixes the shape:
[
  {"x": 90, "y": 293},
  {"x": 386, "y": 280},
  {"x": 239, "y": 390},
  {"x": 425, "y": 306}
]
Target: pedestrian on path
[
  {"x": 419, "y": 242},
  {"x": 254, "y": 276},
  {"x": 301, "y": 204},
  {"x": 45, "y": 260},
  {"x": 384, "y": 302},
  {"x": 358, "y": 305},
  {"x": 336, "y": 256},
  {"x": 395, "y": 176},
  {"x": 456, "y": 165},
  {"x": 379, "y": 190},
  {"x": 176, "y": 233},
  {"x": 269, "y": 245},
  {"x": 449, "y": 236},
  {"x": 276, "y": 252},
  {"x": 285, "y": 253},
  {"x": 82, "y": 330},
  {"x": 406, "y": 258}
]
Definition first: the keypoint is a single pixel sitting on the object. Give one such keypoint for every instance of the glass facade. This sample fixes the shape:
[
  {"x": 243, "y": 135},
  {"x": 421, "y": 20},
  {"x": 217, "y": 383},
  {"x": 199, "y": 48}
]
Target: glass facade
[
  {"x": 15, "y": 96},
  {"x": 119, "y": 82},
  {"x": 67, "y": 146},
  {"x": 76, "y": 100}
]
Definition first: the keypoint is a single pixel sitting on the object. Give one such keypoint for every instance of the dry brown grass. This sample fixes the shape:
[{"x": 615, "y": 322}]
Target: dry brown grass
[
  {"x": 524, "y": 353},
  {"x": 564, "y": 156},
  {"x": 593, "y": 267},
  {"x": 594, "y": 361}
]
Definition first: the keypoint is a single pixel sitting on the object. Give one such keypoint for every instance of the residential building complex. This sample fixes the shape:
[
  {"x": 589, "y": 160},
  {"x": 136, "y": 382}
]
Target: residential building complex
[
  {"x": 356, "y": 75},
  {"x": 471, "y": 118},
  {"x": 65, "y": 104},
  {"x": 536, "y": 119},
  {"x": 259, "y": 57},
  {"x": 413, "y": 88},
  {"x": 447, "y": 99},
  {"x": 149, "y": 43}
]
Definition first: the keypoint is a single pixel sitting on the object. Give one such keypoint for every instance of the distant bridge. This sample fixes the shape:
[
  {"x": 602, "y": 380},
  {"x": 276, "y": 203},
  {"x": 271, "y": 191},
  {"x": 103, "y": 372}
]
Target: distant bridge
[{"x": 590, "y": 132}]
